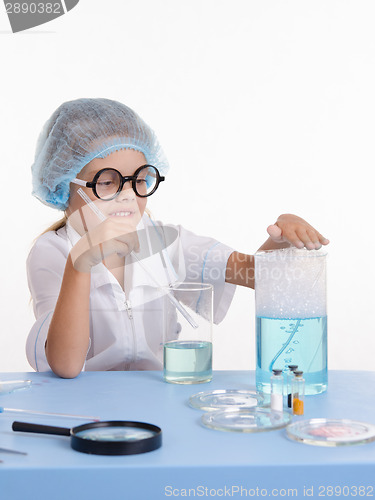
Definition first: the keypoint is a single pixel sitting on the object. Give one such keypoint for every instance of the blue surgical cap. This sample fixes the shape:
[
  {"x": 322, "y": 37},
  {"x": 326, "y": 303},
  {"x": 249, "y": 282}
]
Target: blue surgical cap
[{"x": 79, "y": 131}]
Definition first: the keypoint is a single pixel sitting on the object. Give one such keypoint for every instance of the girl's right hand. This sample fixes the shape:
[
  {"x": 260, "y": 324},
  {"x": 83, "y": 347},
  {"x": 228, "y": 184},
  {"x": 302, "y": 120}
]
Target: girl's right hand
[{"x": 112, "y": 236}]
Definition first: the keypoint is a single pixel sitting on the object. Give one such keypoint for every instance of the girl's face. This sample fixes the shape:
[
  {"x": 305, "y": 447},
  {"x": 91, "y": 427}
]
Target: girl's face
[{"x": 127, "y": 205}]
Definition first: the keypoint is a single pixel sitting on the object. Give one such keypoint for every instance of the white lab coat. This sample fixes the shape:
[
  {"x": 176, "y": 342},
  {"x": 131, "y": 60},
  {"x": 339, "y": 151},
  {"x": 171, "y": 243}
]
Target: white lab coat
[{"x": 120, "y": 340}]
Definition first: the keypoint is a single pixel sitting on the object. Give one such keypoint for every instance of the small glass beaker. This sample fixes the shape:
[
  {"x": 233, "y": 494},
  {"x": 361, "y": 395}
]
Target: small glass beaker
[
  {"x": 188, "y": 337},
  {"x": 291, "y": 316}
]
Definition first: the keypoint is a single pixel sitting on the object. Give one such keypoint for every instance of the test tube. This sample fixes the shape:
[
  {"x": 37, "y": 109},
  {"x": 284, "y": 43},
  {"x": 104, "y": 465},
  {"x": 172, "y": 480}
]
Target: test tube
[
  {"x": 289, "y": 378},
  {"x": 277, "y": 383},
  {"x": 298, "y": 393}
]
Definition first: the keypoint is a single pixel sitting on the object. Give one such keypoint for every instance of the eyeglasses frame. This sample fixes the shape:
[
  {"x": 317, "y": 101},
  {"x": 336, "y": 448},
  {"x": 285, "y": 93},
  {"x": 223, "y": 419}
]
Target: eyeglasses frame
[{"x": 124, "y": 179}]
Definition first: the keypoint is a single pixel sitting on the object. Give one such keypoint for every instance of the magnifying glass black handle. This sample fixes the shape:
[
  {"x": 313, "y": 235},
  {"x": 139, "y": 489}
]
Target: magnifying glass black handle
[{"x": 40, "y": 429}]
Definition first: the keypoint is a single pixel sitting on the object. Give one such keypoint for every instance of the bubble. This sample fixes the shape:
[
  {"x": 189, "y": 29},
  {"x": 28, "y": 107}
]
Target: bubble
[{"x": 290, "y": 283}]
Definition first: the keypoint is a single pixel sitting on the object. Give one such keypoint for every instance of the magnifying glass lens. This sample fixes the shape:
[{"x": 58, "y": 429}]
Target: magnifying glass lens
[{"x": 115, "y": 434}]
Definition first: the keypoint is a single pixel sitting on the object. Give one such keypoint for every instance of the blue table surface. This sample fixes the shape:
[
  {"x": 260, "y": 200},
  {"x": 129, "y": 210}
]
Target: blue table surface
[{"x": 189, "y": 449}]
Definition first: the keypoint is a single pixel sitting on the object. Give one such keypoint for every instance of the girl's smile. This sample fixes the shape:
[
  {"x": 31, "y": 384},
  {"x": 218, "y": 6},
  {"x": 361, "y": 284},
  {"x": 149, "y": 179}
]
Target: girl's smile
[{"x": 121, "y": 214}]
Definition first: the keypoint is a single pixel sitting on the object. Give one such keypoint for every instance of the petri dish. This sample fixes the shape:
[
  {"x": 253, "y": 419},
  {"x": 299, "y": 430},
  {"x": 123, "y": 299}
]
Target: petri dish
[
  {"x": 225, "y": 398},
  {"x": 331, "y": 432},
  {"x": 246, "y": 419}
]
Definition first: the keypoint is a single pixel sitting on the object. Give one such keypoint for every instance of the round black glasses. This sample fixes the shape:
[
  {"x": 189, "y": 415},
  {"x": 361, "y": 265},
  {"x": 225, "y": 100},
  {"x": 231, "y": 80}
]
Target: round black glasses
[{"x": 108, "y": 182}]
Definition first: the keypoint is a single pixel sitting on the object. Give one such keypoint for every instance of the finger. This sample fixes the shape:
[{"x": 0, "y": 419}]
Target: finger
[
  {"x": 323, "y": 240},
  {"x": 292, "y": 237},
  {"x": 275, "y": 233},
  {"x": 313, "y": 235},
  {"x": 131, "y": 239},
  {"x": 123, "y": 248},
  {"x": 123, "y": 252},
  {"x": 85, "y": 255},
  {"x": 305, "y": 238}
]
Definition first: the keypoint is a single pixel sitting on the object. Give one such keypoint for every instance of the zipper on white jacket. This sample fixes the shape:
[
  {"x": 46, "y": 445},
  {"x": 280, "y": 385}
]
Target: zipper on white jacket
[
  {"x": 129, "y": 308},
  {"x": 130, "y": 316}
]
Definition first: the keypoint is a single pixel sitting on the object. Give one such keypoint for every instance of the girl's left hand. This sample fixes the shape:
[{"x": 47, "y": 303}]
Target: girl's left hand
[{"x": 293, "y": 230}]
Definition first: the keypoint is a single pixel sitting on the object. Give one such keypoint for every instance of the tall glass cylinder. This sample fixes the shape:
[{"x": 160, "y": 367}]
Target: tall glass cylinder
[{"x": 291, "y": 316}]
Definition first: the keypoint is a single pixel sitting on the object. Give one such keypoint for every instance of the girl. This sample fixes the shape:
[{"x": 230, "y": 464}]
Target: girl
[{"x": 95, "y": 306}]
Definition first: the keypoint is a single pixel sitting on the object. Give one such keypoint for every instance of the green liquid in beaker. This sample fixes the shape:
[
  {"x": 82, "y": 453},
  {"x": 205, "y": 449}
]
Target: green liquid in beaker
[{"x": 188, "y": 362}]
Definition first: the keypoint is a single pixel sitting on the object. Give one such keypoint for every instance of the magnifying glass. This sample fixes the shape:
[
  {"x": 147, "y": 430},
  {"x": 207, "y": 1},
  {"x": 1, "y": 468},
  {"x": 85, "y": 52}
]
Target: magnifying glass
[{"x": 116, "y": 437}]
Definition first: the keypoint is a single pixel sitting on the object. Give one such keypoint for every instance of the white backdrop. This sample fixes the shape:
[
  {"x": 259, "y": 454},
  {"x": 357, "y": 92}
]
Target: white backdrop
[{"x": 262, "y": 107}]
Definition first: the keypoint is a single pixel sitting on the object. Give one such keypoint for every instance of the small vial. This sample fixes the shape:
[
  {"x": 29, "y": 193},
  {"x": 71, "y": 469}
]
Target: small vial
[
  {"x": 298, "y": 393},
  {"x": 277, "y": 383},
  {"x": 289, "y": 378}
]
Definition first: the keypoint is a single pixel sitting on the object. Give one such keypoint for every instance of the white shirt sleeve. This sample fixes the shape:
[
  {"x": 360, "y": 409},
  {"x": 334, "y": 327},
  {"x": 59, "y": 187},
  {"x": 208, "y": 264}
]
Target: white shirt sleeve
[
  {"x": 45, "y": 268},
  {"x": 206, "y": 262}
]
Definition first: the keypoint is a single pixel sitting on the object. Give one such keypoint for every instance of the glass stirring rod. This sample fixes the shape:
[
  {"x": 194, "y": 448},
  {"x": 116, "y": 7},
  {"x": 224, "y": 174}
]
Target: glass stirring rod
[
  {"x": 170, "y": 296},
  {"x": 47, "y": 414}
]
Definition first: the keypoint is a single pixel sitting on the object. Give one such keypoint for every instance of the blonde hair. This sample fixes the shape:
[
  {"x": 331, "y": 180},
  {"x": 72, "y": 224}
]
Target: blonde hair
[{"x": 56, "y": 225}]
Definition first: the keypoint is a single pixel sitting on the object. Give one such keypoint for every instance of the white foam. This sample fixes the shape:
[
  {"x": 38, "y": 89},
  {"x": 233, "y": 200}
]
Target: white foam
[{"x": 290, "y": 283}]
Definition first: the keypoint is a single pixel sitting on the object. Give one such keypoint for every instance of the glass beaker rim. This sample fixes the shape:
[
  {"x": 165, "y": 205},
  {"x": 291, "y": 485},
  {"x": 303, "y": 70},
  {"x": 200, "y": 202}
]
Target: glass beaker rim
[
  {"x": 292, "y": 252},
  {"x": 190, "y": 286}
]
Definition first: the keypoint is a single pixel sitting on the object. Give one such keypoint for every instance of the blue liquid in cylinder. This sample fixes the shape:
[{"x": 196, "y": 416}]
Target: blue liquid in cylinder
[{"x": 283, "y": 342}]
